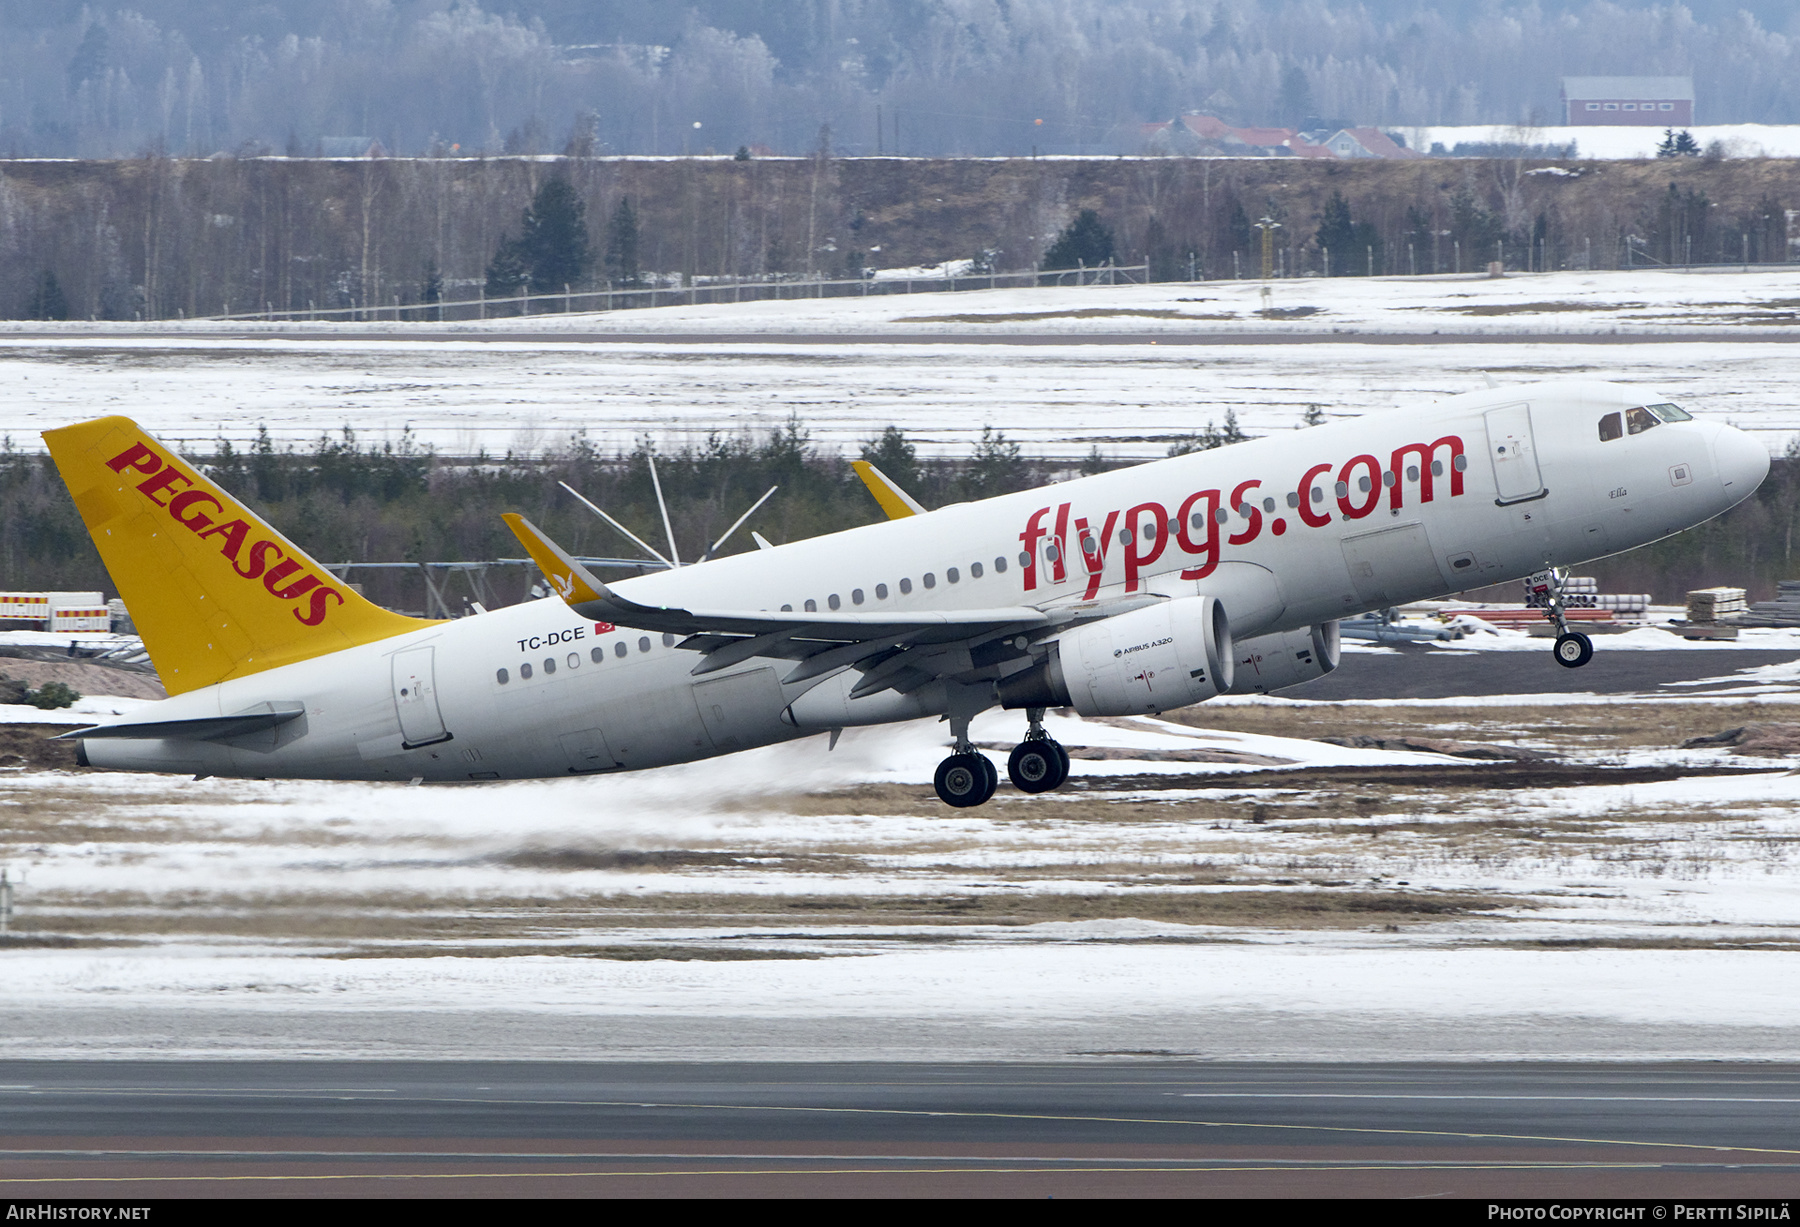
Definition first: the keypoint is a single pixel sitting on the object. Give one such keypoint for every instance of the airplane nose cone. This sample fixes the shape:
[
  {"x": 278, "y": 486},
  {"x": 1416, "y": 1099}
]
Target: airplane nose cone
[{"x": 1740, "y": 461}]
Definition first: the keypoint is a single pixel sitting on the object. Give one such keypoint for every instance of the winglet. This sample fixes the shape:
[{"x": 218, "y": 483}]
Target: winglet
[
  {"x": 896, "y": 502},
  {"x": 572, "y": 581}
]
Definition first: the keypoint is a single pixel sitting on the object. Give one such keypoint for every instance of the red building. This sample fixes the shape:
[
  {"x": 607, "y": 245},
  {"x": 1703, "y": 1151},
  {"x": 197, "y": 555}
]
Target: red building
[{"x": 1649, "y": 102}]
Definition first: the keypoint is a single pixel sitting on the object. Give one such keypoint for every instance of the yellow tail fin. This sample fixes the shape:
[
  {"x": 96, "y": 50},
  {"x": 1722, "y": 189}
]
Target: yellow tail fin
[{"x": 215, "y": 592}]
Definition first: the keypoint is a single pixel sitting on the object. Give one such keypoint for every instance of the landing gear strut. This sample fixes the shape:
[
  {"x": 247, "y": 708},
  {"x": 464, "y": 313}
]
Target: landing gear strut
[
  {"x": 968, "y": 777},
  {"x": 1573, "y": 649},
  {"x": 1037, "y": 764}
]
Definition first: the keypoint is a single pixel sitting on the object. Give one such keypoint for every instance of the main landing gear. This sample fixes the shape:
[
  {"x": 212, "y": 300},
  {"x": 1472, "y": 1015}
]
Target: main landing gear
[
  {"x": 1573, "y": 649},
  {"x": 968, "y": 777}
]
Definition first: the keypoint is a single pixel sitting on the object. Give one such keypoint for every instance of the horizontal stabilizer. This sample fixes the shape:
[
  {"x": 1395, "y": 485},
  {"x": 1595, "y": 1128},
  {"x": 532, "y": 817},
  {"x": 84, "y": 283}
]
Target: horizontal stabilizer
[{"x": 255, "y": 719}]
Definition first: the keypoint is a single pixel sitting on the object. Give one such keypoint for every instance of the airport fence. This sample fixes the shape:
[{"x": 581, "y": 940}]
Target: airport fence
[{"x": 698, "y": 291}]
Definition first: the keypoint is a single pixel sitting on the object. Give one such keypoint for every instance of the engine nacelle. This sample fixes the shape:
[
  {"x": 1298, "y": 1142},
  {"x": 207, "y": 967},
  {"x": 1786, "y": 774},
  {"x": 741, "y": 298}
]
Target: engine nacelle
[
  {"x": 1273, "y": 662},
  {"x": 1150, "y": 660}
]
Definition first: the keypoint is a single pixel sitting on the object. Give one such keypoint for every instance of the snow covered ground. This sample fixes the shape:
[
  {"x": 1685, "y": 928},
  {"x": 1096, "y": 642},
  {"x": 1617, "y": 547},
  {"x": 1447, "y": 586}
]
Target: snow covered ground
[
  {"x": 1620, "y": 141},
  {"x": 795, "y": 903},
  {"x": 1060, "y": 400}
]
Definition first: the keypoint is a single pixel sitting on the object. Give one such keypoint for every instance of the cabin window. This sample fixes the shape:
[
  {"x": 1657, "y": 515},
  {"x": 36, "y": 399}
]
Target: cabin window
[
  {"x": 598, "y": 654},
  {"x": 1362, "y": 484},
  {"x": 930, "y": 580},
  {"x": 668, "y": 640},
  {"x": 905, "y": 586},
  {"x": 1437, "y": 468},
  {"x": 881, "y": 592},
  {"x": 832, "y": 601},
  {"x": 974, "y": 570},
  {"x": 1388, "y": 480},
  {"x": 812, "y": 606},
  {"x": 1024, "y": 559},
  {"x": 1671, "y": 413},
  {"x": 856, "y": 596},
  {"x": 619, "y": 649},
  {"x": 501, "y": 676},
  {"x": 1000, "y": 564},
  {"x": 525, "y": 672},
  {"x": 787, "y": 609},
  {"x": 1637, "y": 421},
  {"x": 574, "y": 660},
  {"x": 1051, "y": 551},
  {"x": 1124, "y": 536},
  {"x": 1461, "y": 464},
  {"x": 1612, "y": 426},
  {"x": 644, "y": 644},
  {"x": 1221, "y": 515},
  {"x": 1343, "y": 489},
  {"x": 950, "y": 573},
  {"x": 1412, "y": 472},
  {"x": 549, "y": 665},
  {"x": 1198, "y": 519},
  {"x": 1246, "y": 510},
  {"x": 1269, "y": 505},
  {"x": 1318, "y": 495}
]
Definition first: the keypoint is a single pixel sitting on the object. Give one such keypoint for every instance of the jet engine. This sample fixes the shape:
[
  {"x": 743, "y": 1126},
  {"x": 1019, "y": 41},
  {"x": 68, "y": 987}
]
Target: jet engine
[
  {"x": 1273, "y": 662},
  {"x": 1150, "y": 660}
]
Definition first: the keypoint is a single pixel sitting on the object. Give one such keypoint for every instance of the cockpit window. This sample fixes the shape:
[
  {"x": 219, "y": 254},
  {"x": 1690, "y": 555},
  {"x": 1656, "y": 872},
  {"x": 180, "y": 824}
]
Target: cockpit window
[
  {"x": 1637, "y": 421},
  {"x": 1671, "y": 413},
  {"x": 1611, "y": 427}
]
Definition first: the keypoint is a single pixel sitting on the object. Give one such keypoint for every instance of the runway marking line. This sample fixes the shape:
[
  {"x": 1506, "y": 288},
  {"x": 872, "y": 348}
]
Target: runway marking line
[
  {"x": 1098, "y": 1120},
  {"x": 838, "y": 1171}
]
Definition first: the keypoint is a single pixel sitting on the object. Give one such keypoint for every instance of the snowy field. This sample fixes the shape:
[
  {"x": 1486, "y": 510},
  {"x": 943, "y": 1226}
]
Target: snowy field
[
  {"x": 1733, "y": 358},
  {"x": 1621, "y": 141},
  {"x": 1225, "y": 891}
]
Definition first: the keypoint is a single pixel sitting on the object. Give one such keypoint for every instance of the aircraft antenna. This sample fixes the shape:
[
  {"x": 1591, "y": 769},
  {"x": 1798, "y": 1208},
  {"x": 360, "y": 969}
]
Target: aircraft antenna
[
  {"x": 642, "y": 544},
  {"x": 664, "y": 507},
  {"x": 740, "y": 523}
]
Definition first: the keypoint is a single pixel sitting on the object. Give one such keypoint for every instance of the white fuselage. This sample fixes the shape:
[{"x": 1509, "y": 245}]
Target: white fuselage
[{"x": 536, "y": 691}]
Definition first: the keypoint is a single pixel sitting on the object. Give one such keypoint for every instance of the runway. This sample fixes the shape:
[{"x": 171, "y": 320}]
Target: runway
[
  {"x": 1417, "y": 671},
  {"x": 123, "y": 1130}
]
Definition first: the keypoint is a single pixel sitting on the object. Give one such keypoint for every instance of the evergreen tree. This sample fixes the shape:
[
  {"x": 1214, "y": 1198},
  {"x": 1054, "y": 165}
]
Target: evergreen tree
[
  {"x": 47, "y": 300},
  {"x": 553, "y": 242},
  {"x": 1084, "y": 244},
  {"x": 622, "y": 245},
  {"x": 507, "y": 272},
  {"x": 894, "y": 455},
  {"x": 1337, "y": 234},
  {"x": 1678, "y": 145}
]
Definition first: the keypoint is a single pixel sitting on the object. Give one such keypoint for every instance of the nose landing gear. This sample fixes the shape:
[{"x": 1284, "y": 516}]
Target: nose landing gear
[{"x": 1573, "y": 649}]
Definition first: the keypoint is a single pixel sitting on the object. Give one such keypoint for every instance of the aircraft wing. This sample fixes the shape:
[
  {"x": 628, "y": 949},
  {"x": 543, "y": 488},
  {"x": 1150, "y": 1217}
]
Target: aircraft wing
[{"x": 892, "y": 649}]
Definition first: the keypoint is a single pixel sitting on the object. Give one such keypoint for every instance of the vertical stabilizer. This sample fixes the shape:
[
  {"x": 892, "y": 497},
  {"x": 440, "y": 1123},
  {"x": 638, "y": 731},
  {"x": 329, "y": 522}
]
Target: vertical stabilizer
[{"x": 215, "y": 592}]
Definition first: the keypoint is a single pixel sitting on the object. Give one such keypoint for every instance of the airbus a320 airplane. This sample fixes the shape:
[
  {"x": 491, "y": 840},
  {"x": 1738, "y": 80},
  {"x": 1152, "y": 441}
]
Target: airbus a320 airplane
[{"x": 1125, "y": 593}]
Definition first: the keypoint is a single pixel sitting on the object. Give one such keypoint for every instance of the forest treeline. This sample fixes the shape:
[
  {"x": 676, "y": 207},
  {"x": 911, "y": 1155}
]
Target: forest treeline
[
  {"x": 157, "y": 238},
  {"x": 342, "y": 500},
  {"x": 111, "y": 78}
]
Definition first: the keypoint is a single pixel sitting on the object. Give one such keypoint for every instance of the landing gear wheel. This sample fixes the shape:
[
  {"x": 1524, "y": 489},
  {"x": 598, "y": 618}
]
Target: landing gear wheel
[
  {"x": 965, "y": 780},
  {"x": 1038, "y": 765},
  {"x": 1573, "y": 650}
]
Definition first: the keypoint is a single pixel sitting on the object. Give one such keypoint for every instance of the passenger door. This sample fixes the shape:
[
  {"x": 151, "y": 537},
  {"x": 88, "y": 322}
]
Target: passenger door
[
  {"x": 1514, "y": 455},
  {"x": 415, "y": 699}
]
